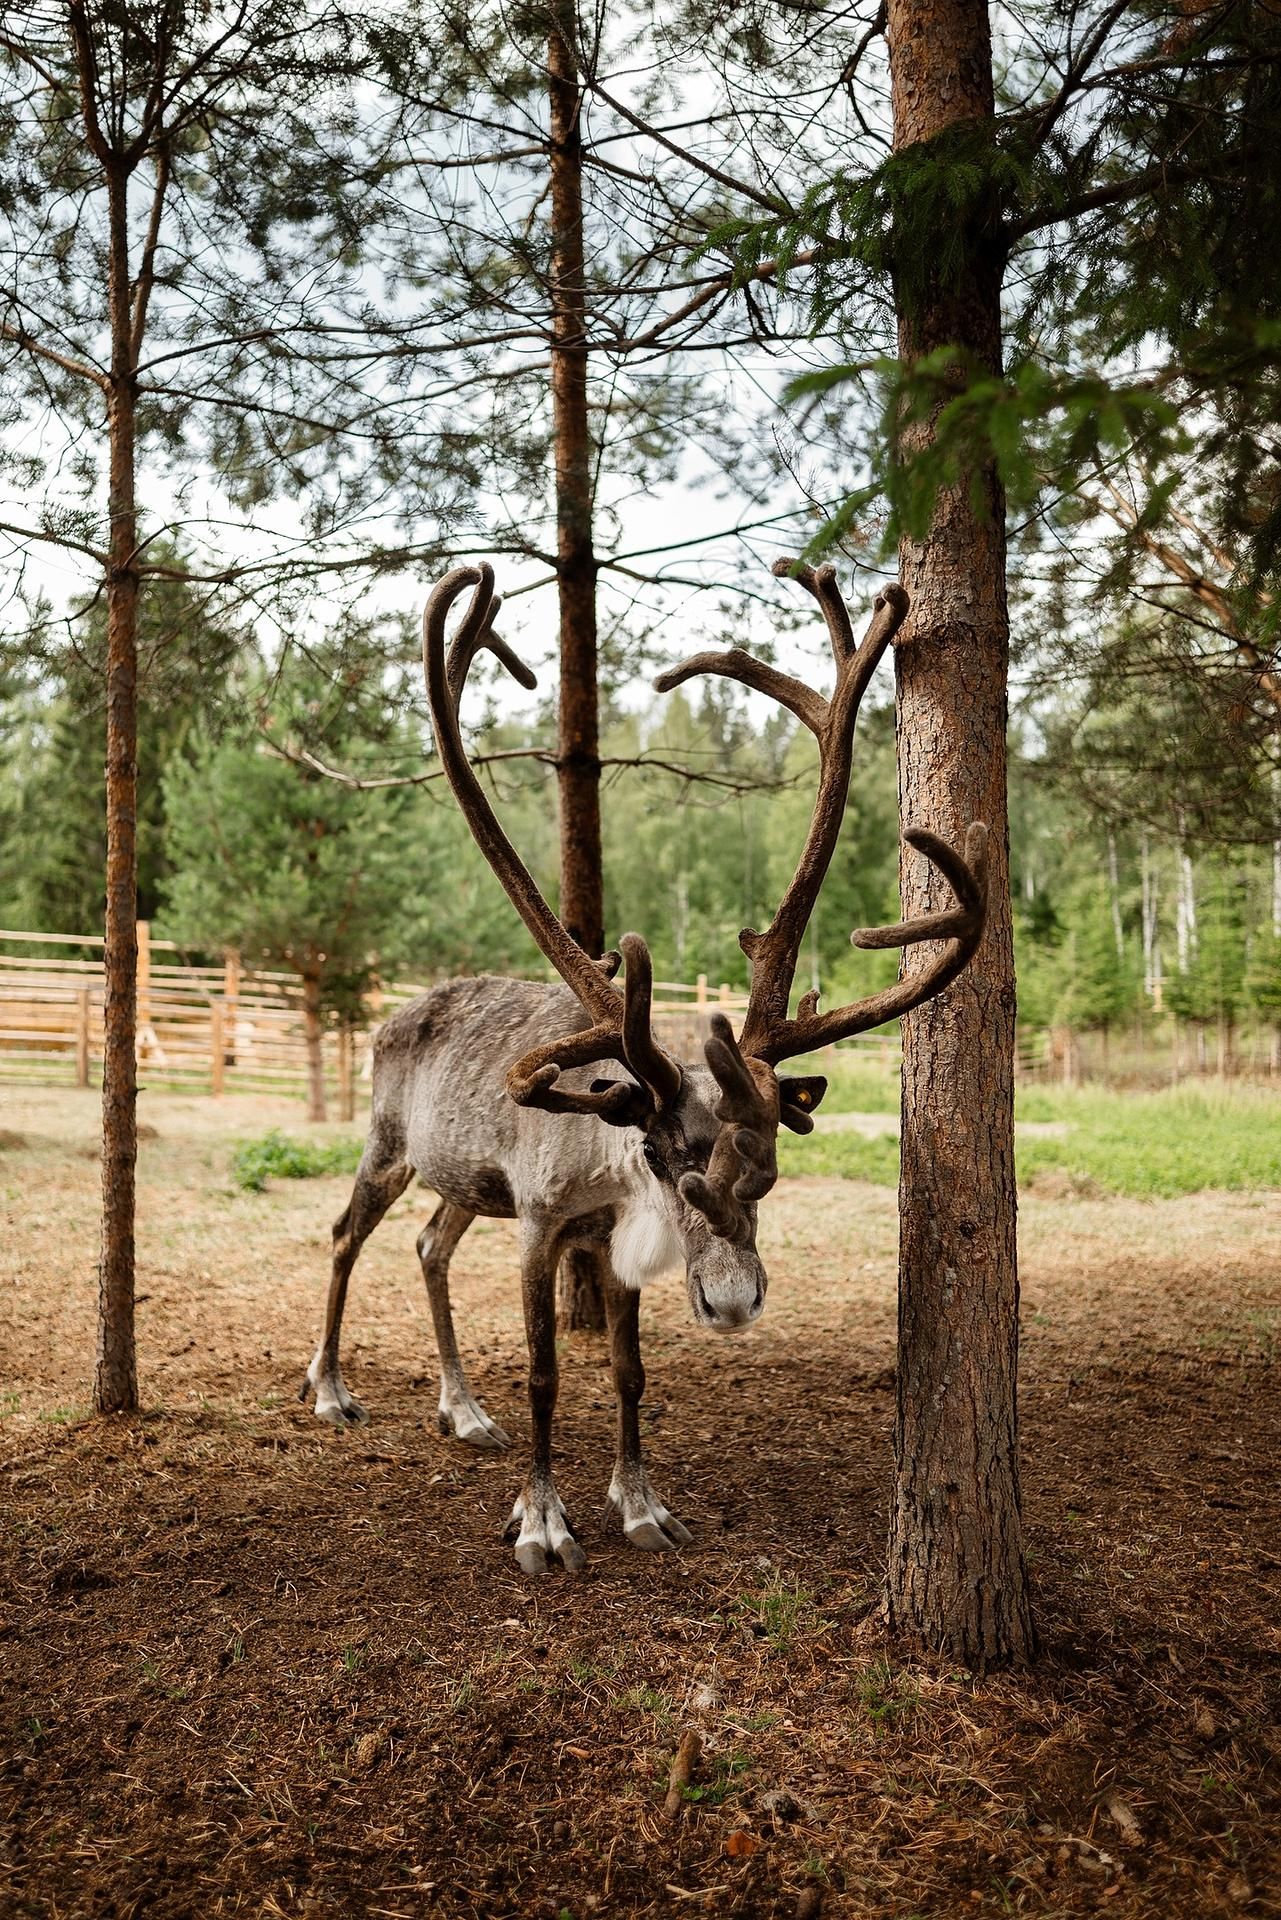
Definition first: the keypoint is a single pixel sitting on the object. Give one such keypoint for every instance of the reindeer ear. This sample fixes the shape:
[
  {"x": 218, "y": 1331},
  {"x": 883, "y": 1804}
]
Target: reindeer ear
[
  {"x": 797, "y": 1099},
  {"x": 628, "y": 1105}
]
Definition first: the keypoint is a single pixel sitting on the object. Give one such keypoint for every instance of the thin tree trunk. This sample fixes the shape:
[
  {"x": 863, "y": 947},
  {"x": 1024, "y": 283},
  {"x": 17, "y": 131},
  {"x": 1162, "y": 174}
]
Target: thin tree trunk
[
  {"x": 1276, "y": 856},
  {"x": 314, "y": 1031},
  {"x": 956, "y": 1576},
  {"x": 115, "y": 1385},
  {"x": 1185, "y": 925},
  {"x": 582, "y": 890},
  {"x": 1149, "y": 916},
  {"x": 582, "y": 907},
  {"x": 1114, "y": 894}
]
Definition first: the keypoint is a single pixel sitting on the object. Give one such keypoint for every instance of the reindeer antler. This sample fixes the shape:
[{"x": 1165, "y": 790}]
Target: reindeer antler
[
  {"x": 743, "y": 1164},
  {"x": 768, "y": 1034},
  {"x": 621, "y": 1026}
]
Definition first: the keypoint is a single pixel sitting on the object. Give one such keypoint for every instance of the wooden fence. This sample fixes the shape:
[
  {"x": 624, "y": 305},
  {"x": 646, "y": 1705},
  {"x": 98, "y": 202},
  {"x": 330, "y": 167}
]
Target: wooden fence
[
  {"x": 234, "y": 1028},
  {"x": 231, "y": 1028}
]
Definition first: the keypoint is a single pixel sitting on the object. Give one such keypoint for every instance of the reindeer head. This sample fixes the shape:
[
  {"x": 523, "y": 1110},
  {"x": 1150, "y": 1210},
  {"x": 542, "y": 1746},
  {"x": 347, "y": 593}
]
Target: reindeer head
[{"x": 707, "y": 1135}]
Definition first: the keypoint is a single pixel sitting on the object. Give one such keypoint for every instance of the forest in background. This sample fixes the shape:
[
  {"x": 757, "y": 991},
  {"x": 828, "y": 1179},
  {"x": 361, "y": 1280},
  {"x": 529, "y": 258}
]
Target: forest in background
[{"x": 244, "y": 841}]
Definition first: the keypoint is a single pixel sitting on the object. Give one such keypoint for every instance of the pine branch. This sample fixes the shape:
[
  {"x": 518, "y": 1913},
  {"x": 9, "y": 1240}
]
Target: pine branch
[{"x": 80, "y": 369}]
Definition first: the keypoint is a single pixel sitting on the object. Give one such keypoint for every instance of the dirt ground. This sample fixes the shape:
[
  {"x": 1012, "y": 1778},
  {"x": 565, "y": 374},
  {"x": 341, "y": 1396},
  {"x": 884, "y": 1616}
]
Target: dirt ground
[{"x": 252, "y": 1666}]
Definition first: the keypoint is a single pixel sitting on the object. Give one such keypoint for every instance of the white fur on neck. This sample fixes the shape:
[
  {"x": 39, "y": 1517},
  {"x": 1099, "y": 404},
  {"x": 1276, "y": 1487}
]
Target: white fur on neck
[{"x": 644, "y": 1242}]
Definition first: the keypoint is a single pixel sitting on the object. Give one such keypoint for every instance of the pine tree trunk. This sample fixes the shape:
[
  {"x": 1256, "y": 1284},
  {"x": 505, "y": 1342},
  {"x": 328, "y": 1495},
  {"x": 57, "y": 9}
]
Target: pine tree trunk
[
  {"x": 314, "y": 1031},
  {"x": 956, "y": 1577},
  {"x": 582, "y": 892},
  {"x": 115, "y": 1385}
]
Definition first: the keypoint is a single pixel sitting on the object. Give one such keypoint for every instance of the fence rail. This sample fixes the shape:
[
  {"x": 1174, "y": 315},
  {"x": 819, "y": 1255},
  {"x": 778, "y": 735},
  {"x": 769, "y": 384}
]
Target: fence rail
[
  {"x": 217, "y": 1029},
  {"x": 232, "y": 1028},
  {"x": 235, "y": 1028}
]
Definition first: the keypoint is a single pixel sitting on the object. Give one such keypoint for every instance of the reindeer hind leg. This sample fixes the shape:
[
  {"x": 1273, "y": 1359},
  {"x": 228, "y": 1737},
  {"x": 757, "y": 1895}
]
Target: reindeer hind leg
[
  {"x": 539, "y": 1523},
  {"x": 381, "y": 1178},
  {"x": 460, "y": 1412}
]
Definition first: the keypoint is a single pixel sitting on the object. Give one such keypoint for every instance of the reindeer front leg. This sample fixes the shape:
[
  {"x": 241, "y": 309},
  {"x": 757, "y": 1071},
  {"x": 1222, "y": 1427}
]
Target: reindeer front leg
[
  {"x": 538, "y": 1519},
  {"x": 646, "y": 1521}
]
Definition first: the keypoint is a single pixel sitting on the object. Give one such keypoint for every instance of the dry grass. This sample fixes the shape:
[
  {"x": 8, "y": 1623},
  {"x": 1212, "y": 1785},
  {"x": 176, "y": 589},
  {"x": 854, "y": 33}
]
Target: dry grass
[{"x": 251, "y": 1666}]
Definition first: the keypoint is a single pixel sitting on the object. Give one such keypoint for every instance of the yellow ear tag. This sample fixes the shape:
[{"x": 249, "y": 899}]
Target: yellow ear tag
[{"x": 803, "y": 1097}]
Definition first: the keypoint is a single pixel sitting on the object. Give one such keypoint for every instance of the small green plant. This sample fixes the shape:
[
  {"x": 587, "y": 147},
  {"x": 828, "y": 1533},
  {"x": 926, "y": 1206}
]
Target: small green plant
[
  {"x": 725, "y": 1780},
  {"x": 778, "y": 1612},
  {"x": 886, "y": 1697},
  {"x": 461, "y": 1693},
  {"x": 760, "y": 1722},
  {"x": 277, "y": 1156},
  {"x": 647, "y": 1700},
  {"x": 353, "y": 1659},
  {"x": 588, "y": 1672}
]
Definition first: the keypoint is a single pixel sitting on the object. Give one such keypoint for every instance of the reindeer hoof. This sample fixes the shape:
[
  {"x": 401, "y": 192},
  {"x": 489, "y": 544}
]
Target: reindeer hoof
[
  {"x": 341, "y": 1413},
  {"x": 647, "y": 1523},
  {"x": 467, "y": 1420},
  {"x": 542, "y": 1532},
  {"x": 334, "y": 1404}
]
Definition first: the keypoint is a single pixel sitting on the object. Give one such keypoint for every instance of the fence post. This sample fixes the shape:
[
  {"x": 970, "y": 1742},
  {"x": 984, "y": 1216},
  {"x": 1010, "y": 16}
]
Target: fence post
[
  {"x": 346, "y": 1080},
  {"x": 231, "y": 995},
  {"x": 725, "y": 993},
  {"x": 143, "y": 1036},
  {"x": 217, "y": 1017},
  {"x": 144, "y": 973},
  {"x": 82, "y": 1037},
  {"x": 700, "y": 993}
]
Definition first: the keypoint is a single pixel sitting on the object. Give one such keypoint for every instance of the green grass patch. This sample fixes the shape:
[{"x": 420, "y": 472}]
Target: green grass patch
[
  {"x": 840, "y": 1156},
  {"x": 278, "y": 1156},
  {"x": 1185, "y": 1139},
  {"x": 1154, "y": 1145}
]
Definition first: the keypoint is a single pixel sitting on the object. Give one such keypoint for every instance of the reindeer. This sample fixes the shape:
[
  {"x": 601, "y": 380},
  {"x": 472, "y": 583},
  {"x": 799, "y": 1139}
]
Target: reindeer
[{"x": 657, "y": 1164}]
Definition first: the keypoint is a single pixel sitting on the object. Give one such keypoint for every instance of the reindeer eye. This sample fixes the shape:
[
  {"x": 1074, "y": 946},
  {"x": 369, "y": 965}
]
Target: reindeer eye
[{"x": 654, "y": 1160}]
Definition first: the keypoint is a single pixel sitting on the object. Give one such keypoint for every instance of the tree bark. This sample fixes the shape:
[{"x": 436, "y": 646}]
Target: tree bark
[
  {"x": 956, "y": 1576},
  {"x": 115, "y": 1386},
  {"x": 314, "y": 1030},
  {"x": 582, "y": 891}
]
